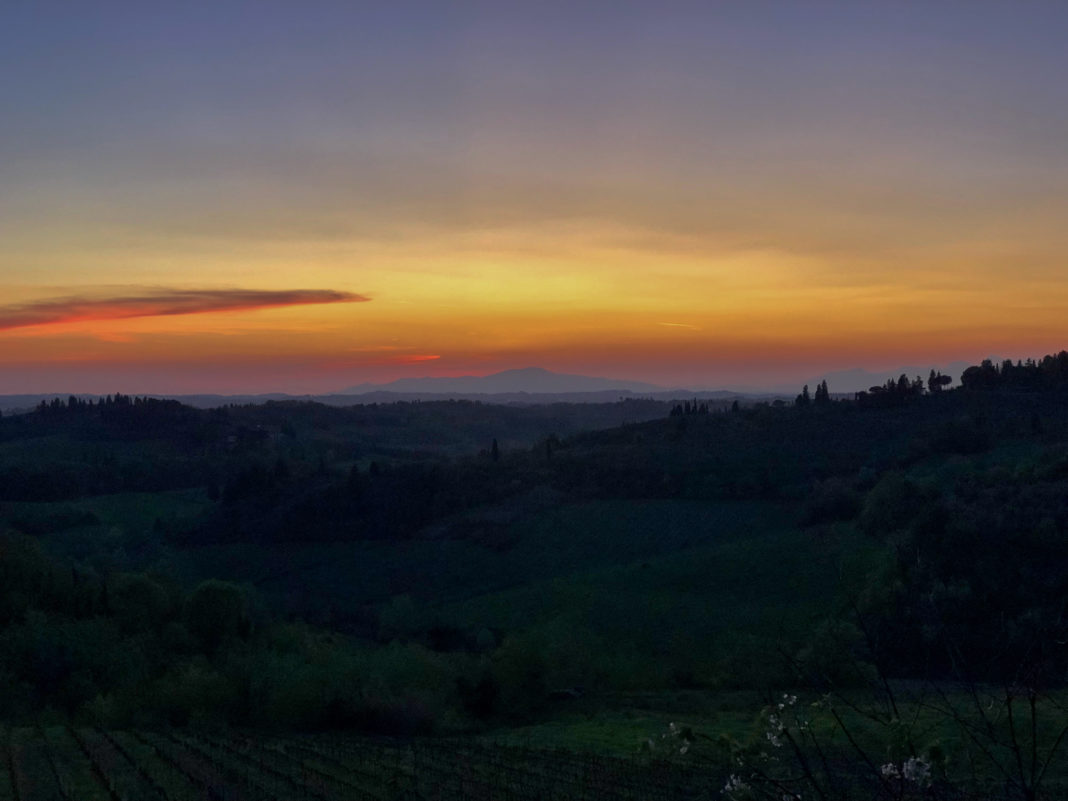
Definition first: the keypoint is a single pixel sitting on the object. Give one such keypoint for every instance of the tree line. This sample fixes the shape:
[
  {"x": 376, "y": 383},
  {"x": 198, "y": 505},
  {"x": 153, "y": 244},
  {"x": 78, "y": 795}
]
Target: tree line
[{"x": 1049, "y": 372}]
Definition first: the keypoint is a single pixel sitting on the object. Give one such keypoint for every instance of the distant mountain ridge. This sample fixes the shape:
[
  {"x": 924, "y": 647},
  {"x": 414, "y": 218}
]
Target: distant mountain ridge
[
  {"x": 528, "y": 380},
  {"x": 534, "y": 381},
  {"x": 524, "y": 386}
]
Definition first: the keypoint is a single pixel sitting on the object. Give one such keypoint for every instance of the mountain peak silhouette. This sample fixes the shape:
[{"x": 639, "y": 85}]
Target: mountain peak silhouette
[{"x": 532, "y": 380}]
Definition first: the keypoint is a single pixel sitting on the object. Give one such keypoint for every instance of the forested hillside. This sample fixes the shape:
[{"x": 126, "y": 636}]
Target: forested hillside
[{"x": 460, "y": 569}]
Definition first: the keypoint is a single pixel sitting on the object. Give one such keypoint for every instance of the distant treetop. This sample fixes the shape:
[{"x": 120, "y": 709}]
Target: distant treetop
[{"x": 1048, "y": 373}]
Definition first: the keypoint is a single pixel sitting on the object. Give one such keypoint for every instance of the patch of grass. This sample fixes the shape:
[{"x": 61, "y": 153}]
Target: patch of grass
[
  {"x": 533, "y": 550},
  {"x": 625, "y": 724},
  {"x": 770, "y": 585},
  {"x": 138, "y": 511}
]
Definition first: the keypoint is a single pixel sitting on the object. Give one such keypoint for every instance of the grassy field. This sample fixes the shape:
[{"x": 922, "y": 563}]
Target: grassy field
[
  {"x": 492, "y": 555},
  {"x": 620, "y": 595},
  {"x": 714, "y": 613},
  {"x": 624, "y": 724},
  {"x": 123, "y": 531}
]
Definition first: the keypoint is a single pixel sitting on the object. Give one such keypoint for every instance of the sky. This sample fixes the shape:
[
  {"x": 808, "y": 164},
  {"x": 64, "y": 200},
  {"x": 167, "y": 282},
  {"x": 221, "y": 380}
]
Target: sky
[{"x": 258, "y": 197}]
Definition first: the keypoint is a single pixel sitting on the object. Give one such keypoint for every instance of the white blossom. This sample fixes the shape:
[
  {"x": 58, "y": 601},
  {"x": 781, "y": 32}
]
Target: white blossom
[
  {"x": 734, "y": 785},
  {"x": 917, "y": 770}
]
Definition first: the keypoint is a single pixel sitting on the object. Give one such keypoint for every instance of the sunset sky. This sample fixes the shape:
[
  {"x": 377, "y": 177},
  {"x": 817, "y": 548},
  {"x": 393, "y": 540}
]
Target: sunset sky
[{"x": 254, "y": 197}]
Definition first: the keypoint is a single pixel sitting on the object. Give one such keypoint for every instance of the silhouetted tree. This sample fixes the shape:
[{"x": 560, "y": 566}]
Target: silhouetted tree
[{"x": 823, "y": 395}]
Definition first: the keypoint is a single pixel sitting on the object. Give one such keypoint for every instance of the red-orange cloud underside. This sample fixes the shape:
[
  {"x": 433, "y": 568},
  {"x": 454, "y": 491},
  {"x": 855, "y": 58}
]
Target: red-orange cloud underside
[{"x": 163, "y": 302}]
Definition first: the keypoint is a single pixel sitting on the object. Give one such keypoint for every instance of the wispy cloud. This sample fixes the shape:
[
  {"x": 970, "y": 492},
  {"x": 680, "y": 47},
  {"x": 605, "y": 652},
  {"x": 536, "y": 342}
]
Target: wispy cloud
[
  {"x": 680, "y": 325},
  {"x": 163, "y": 303}
]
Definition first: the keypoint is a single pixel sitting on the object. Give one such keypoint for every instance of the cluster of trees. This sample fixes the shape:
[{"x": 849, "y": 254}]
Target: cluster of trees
[
  {"x": 688, "y": 408},
  {"x": 968, "y": 606},
  {"x": 892, "y": 393},
  {"x": 823, "y": 395},
  {"x": 272, "y": 503},
  {"x": 936, "y": 381},
  {"x": 985, "y": 540},
  {"x": 72, "y": 638},
  {"x": 135, "y": 649},
  {"x": 1050, "y": 372},
  {"x": 898, "y": 389},
  {"x": 129, "y": 411},
  {"x": 966, "y": 541},
  {"x": 61, "y": 481}
]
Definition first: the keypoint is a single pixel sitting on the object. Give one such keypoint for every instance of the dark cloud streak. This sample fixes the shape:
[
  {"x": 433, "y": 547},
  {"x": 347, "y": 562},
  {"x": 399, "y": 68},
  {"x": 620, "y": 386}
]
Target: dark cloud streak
[{"x": 163, "y": 303}]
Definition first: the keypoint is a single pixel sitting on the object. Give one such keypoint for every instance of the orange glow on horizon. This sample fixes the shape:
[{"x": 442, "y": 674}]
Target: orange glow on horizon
[{"x": 594, "y": 297}]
